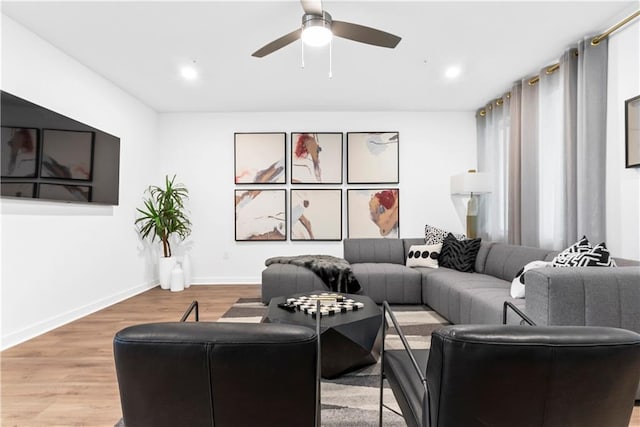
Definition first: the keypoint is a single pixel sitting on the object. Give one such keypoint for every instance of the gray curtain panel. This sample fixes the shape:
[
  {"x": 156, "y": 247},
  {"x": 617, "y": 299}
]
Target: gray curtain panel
[
  {"x": 529, "y": 169},
  {"x": 514, "y": 187},
  {"x": 591, "y": 137},
  {"x": 569, "y": 65}
]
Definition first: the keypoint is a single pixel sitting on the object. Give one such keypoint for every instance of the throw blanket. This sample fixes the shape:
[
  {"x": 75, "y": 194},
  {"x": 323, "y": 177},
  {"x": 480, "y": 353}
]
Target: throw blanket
[{"x": 335, "y": 272}]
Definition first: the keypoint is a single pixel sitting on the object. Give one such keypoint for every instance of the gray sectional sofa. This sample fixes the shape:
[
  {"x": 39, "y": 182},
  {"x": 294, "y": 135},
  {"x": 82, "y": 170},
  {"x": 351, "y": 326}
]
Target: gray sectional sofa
[
  {"x": 593, "y": 296},
  {"x": 580, "y": 296}
]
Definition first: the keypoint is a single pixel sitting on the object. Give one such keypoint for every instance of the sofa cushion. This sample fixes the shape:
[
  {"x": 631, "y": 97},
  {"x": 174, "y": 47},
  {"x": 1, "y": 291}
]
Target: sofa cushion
[
  {"x": 504, "y": 261},
  {"x": 481, "y": 258},
  {"x": 374, "y": 250},
  {"x": 441, "y": 289},
  {"x": 484, "y": 306},
  {"x": 393, "y": 283},
  {"x": 459, "y": 254}
]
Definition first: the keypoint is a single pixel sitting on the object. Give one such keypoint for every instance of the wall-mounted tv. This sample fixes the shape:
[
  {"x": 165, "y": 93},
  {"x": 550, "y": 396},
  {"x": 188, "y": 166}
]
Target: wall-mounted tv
[{"x": 45, "y": 155}]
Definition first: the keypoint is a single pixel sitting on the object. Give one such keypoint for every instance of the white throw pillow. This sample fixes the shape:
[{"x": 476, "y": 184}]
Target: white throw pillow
[
  {"x": 424, "y": 255},
  {"x": 517, "y": 284}
]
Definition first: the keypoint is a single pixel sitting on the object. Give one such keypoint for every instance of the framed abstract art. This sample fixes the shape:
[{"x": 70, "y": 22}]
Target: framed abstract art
[
  {"x": 260, "y": 158},
  {"x": 316, "y": 214},
  {"x": 372, "y": 158},
  {"x": 316, "y": 158},
  {"x": 260, "y": 215},
  {"x": 373, "y": 213}
]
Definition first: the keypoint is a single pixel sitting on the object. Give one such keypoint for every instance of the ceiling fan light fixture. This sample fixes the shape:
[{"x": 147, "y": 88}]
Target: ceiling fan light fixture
[{"x": 316, "y": 29}]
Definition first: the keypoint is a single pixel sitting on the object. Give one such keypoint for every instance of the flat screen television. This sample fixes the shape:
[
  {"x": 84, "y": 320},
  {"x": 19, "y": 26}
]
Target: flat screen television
[{"x": 45, "y": 155}]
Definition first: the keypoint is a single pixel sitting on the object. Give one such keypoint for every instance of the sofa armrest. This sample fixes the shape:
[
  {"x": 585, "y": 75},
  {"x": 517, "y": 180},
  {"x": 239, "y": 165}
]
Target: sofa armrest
[{"x": 584, "y": 296}]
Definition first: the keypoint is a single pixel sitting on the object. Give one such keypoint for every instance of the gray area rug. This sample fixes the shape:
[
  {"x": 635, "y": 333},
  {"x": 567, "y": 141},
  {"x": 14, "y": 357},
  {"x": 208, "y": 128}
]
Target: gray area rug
[{"x": 353, "y": 399}]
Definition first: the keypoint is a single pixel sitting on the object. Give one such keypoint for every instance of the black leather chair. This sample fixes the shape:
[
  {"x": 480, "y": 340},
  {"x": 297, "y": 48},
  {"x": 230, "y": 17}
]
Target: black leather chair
[
  {"x": 495, "y": 375},
  {"x": 222, "y": 374}
]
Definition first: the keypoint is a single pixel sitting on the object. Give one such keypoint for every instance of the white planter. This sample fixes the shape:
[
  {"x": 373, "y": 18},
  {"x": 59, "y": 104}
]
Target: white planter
[
  {"x": 165, "y": 265},
  {"x": 186, "y": 268}
]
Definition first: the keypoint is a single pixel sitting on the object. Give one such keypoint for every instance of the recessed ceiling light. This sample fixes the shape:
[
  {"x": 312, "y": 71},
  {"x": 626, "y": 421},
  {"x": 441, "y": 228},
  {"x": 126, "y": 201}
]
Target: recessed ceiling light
[
  {"x": 189, "y": 72},
  {"x": 452, "y": 72}
]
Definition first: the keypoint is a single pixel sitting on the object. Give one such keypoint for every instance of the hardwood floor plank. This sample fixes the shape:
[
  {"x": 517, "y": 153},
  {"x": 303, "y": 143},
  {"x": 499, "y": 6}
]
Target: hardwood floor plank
[{"x": 66, "y": 377}]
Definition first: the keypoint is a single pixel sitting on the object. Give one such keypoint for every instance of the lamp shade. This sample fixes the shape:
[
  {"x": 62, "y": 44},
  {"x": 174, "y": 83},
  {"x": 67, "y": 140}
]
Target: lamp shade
[{"x": 471, "y": 182}]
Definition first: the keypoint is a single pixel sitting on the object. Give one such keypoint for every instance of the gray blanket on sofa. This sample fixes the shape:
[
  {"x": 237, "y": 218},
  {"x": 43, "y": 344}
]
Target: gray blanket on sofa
[{"x": 335, "y": 272}]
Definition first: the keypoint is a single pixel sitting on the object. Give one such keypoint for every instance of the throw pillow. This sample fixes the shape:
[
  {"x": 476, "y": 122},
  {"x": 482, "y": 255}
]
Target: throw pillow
[
  {"x": 517, "y": 284},
  {"x": 459, "y": 254},
  {"x": 578, "y": 247},
  {"x": 434, "y": 235},
  {"x": 598, "y": 256},
  {"x": 424, "y": 255}
]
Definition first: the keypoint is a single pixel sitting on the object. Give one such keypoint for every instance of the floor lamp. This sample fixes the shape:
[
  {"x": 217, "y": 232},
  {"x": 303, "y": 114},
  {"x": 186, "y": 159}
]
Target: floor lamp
[{"x": 471, "y": 183}]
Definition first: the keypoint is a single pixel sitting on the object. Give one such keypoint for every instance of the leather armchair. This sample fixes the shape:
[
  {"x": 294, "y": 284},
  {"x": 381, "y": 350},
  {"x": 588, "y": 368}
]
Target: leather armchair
[
  {"x": 492, "y": 375},
  {"x": 222, "y": 374}
]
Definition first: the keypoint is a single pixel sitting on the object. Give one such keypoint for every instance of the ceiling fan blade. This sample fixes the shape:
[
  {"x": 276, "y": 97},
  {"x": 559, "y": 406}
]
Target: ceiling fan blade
[
  {"x": 363, "y": 34},
  {"x": 313, "y": 7},
  {"x": 277, "y": 44}
]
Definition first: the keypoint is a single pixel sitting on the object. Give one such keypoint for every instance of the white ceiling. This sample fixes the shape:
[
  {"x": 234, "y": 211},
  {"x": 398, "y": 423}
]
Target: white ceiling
[{"x": 139, "y": 46}]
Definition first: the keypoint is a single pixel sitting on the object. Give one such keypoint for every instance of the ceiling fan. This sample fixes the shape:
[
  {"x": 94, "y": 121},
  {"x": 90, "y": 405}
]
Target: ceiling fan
[{"x": 318, "y": 27}]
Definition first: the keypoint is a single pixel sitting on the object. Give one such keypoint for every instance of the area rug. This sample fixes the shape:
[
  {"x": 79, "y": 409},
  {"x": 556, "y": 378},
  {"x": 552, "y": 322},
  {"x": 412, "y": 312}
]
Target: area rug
[{"x": 352, "y": 400}]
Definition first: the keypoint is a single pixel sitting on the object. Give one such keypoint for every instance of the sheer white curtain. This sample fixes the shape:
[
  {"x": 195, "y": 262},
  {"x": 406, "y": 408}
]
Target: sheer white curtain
[
  {"x": 494, "y": 134},
  {"x": 551, "y": 160}
]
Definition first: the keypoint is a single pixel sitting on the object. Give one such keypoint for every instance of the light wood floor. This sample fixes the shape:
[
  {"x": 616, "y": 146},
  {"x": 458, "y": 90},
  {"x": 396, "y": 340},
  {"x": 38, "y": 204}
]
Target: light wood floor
[{"x": 67, "y": 377}]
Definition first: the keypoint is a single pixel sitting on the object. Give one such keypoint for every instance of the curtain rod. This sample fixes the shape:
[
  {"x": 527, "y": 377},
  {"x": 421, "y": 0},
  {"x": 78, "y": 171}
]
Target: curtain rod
[
  {"x": 552, "y": 68},
  {"x": 597, "y": 39}
]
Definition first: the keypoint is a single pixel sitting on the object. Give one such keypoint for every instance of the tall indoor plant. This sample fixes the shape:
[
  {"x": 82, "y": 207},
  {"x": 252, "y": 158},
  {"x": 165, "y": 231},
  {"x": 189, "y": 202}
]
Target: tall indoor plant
[{"x": 164, "y": 214}]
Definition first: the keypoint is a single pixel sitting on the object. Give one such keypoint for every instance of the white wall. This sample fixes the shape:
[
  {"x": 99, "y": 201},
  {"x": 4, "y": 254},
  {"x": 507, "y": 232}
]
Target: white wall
[
  {"x": 623, "y": 185},
  {"x": 63, "y": 261},
  {"x": 199, "y": 149}
]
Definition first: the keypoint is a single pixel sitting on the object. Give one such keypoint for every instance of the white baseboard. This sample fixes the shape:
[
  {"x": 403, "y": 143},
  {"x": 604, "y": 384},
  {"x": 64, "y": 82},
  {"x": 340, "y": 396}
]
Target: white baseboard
[
  {"x": 235, "y": 280},
  {"x": 47, "y": 325}
]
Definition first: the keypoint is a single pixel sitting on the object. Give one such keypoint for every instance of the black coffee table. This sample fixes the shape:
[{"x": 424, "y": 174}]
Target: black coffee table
[{"x": 348, "y": 340}]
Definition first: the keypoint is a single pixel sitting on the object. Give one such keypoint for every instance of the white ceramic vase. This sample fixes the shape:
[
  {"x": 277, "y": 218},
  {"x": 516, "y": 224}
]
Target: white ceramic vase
[
  {"x": 177, "y": 279},
  {"x": 165, "y": 265},
  {"x": 186, "y": 268}
]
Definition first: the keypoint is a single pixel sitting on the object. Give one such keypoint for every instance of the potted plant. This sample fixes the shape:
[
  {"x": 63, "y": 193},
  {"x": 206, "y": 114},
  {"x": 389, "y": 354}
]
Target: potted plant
[{"x": 164, "y": 215}]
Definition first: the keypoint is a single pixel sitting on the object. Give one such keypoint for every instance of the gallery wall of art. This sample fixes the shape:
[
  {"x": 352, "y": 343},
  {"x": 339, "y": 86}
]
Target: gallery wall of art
[{"x": 201, "y": 150}]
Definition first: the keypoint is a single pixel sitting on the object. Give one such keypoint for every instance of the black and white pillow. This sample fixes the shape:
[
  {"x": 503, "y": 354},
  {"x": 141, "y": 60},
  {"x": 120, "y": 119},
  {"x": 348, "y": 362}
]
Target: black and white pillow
[
  {"x": 459, "y": 254},
  {"x": 581, "y": 246},
  {"x": 434, "y": 235},
  {"x": 598, "y": 256},
  {"x": 424, "y": 255},
  {"x": 517, "y": 284}
]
